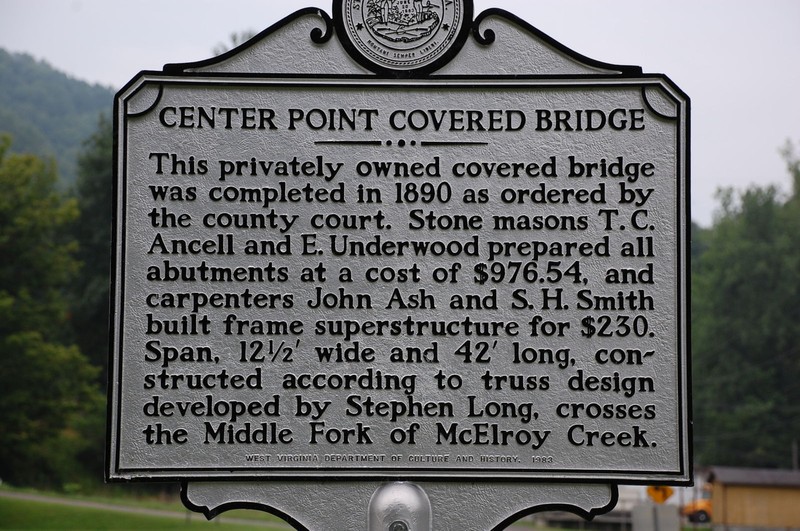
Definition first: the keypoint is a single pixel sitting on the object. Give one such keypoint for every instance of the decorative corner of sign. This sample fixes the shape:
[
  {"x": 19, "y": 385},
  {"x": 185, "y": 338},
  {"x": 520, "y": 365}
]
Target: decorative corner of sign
[
  {"x": 488, "y": 36},
  {"x": 660, "y": 102},
  {"x": 609, "y": 506},
  {"x": 189, "y": 504},
  {"x": 319, "y": 36},
  {"x": 206, "y": 510},
  {"x": 211, "y": 508},
  {"x": 143, "y": 99},
  {"x": 588, "y": 513}
]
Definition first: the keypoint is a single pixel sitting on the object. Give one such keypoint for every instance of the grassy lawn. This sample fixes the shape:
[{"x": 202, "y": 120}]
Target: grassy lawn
[
  {"x": 171, "y": 503},
  {"x": 23, "y": 514}
]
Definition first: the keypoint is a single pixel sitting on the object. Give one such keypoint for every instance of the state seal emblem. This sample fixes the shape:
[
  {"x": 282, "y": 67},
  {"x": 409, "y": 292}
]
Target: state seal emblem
[{"x": 399, "y": 36}]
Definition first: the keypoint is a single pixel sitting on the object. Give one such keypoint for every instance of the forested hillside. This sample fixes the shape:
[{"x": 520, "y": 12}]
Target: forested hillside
[{"x": 47, "y": 112}]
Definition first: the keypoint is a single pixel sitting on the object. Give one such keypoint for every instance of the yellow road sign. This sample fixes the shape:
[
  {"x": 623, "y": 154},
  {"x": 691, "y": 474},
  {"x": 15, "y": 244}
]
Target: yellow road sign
[{"x": 660, "y": 494}]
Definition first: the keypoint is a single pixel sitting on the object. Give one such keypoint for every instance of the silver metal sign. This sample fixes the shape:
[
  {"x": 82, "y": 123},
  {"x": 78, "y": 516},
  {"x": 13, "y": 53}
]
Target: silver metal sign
[{"x": 431, "y": 271}]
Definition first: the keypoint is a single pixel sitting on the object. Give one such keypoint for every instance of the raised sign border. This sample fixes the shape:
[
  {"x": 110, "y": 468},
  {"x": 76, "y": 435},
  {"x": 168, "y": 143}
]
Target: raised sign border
[{"x": 620, "y": 76}]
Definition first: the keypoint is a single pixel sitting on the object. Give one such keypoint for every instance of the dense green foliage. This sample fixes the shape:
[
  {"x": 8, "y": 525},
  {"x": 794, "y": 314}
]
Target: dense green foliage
[
  {"x": 54, "y": 270},
  {"x": 746, "y": 336},
  {"x": 89, "y": 296},
  {"x": 47, "y": 112},
  {"x": 49, "y": 388}
]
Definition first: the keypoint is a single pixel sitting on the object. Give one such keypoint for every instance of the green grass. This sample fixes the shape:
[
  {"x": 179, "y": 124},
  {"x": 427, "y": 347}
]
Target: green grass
[
  {"x": 23, "y": 514},
  {"x": 119, "y": 497}
]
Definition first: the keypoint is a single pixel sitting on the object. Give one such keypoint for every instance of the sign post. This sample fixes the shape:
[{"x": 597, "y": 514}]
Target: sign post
[{"x": 405, "y": 266}]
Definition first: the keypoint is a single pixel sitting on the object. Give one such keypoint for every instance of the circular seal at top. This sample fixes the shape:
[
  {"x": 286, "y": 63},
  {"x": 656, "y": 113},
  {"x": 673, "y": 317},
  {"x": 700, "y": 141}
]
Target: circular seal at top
[{"x": 403, "y": 36}]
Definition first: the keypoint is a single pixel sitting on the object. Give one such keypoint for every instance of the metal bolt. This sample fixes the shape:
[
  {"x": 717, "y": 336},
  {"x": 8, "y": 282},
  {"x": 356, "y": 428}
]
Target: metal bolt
[{"x": 398, "y": 526}]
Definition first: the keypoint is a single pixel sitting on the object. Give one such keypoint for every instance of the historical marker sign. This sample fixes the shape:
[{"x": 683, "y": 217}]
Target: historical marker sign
[{"x": 412, "y": 275}]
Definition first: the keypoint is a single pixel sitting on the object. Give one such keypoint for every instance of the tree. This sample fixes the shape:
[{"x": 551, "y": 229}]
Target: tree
[
  {"x": 48, "y": 387},
  {"x": 90, "y": 290},
  {"x": 746, "y": 339},
  {"x": 47, "y": 112}
]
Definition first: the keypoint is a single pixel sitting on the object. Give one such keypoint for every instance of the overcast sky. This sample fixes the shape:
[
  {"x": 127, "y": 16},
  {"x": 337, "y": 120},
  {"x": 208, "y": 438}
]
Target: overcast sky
[{"x": 737, "y": 59}]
